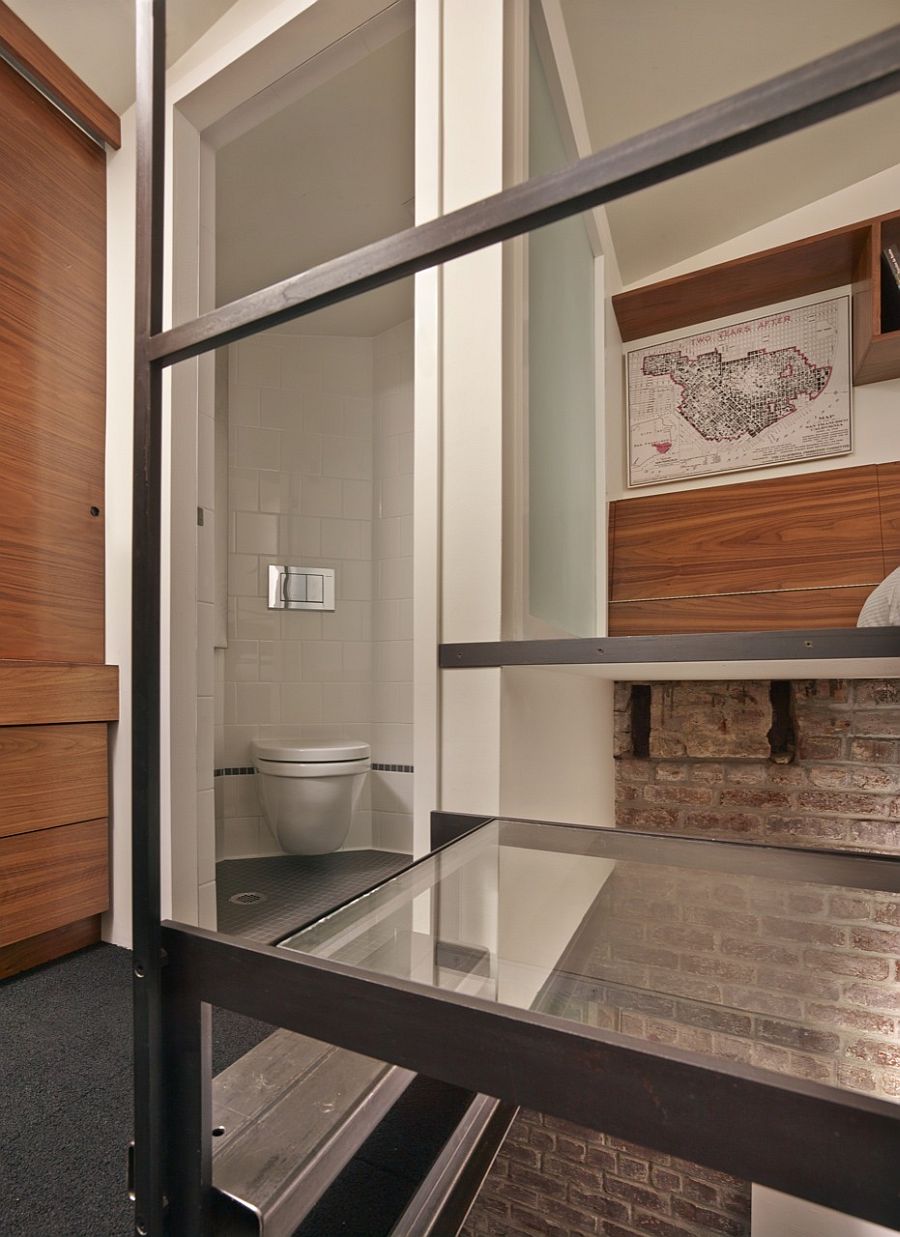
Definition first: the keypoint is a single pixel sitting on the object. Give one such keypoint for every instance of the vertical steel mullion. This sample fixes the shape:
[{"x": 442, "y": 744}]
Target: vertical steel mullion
[
  {"x": 187, "y": 1064},
  {"x": 145, "y": 652}
]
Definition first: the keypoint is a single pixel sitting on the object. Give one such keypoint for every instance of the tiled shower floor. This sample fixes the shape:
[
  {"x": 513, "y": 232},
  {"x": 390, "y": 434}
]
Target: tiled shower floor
[{"x": 294, "y": 888}]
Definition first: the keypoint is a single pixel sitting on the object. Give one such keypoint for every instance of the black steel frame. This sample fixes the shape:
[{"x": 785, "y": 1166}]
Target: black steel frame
[
  {"x": 787, "y": 1131},
  {"x": 836, "y": 643}
]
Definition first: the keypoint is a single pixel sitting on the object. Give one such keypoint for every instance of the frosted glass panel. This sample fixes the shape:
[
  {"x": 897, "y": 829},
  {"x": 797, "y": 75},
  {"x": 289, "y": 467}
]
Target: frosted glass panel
[{"x": 561, "y": 432}]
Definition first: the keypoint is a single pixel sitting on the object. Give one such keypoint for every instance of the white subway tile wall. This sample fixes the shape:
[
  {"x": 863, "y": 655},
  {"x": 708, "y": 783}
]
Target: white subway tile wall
[{"x": 320, "y": 473}]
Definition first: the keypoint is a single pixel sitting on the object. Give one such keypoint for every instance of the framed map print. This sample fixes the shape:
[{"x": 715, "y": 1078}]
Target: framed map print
[{"x": 749, "y": 394}]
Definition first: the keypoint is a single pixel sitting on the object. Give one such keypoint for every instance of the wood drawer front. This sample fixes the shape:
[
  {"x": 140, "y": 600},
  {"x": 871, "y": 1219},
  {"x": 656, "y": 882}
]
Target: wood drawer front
[
  {"x": 32, "y": 693},
  {"x": 51, "y": 878},
  {"x": 51, "y": 775},
  {"x": 23, "y": 955}
]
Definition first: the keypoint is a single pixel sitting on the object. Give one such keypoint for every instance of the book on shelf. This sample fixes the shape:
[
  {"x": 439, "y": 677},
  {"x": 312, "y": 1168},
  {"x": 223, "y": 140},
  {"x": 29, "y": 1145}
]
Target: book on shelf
[{"x": 891, "y": 258}]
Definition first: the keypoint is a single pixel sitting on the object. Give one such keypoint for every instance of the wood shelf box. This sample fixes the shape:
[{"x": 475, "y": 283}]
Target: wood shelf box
[
  {"x": 876, "y": 341},
  {"x": 846, "y": 255}
]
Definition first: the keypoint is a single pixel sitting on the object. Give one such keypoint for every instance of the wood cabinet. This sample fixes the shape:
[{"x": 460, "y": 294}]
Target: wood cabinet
[
  {"x": 53, "y": 394},
  {"x": 847, "y": 255},
  {"x": 53, "y": 808},
  {"x": 56, "y": 695},
  {"x": 52, "y": 775}
]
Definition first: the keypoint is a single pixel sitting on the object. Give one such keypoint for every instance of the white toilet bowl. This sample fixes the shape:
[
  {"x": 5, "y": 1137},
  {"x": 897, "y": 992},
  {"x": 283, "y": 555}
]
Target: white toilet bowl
[{"x": 308, "y": 791}]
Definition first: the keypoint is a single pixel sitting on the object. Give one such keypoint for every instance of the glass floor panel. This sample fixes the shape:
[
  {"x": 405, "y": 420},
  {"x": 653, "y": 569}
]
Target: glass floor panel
[{"x": 780, "y": 959}]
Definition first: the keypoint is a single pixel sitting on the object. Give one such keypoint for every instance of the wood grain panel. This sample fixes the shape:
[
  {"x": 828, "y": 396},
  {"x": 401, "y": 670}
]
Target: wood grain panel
[
  {"x": 52, "y": 398},
  {"x": 51, "y": 878},
  {"x": 813, "y": 530},
  {"x": 21, "y": 45},
  {"x": 51, "y": 775},
  {"x": 889, "y": 502},
  {"x": 23, "y": 955},
  {"x": 812, "y": 264},
  {"x": 865, "y": 278},
  {"x": 777, "y": 611},
  {"x": 881, "y": 358},
  {"x": 43, "y": 692}
]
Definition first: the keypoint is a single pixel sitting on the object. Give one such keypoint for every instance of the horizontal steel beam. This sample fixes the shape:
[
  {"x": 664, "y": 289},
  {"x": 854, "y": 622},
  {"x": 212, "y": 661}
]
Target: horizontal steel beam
[
  {"x": 855, "y": 75},
  {"x": 675, "y": 1101},
  {"x": 821, "y": 644}
]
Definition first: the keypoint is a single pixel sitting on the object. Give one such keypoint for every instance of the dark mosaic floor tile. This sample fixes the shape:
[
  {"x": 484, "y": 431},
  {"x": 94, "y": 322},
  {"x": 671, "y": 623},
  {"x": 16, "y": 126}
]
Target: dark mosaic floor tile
[{"x": 295, "y": 888}]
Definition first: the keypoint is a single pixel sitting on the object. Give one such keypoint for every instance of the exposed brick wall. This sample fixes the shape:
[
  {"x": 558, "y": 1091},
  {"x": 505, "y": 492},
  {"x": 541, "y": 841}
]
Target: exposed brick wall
[
  {"x": 553, "y": 1179},
  {"x": 802, "y": 980},
  {"x": 840, "y": 791},
  {"x": 737, "y": 967}
]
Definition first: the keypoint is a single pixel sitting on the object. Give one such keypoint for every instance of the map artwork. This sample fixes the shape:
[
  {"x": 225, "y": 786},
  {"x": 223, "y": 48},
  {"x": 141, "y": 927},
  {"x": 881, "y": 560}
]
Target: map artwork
[{"x": 765, "y": 391}]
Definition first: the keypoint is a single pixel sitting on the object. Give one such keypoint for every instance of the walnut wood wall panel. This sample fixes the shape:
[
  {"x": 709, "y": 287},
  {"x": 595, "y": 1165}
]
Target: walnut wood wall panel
[
  {"x": 22, "y": 955},
  {"x": 31, "y": 693},
  {"x": 782, "y": 611},
  {"x": 814, "y": 530},
  {"x": 56, "y": 695},
  {"x": 889, "y": 501},
  {"x": 52, "y": 399},
  {"x": 785, "y": 552},
  {"x": 51, "y": 775},
  {"x": 22, "y": 47},
  {"x": 51, "y": 878}
]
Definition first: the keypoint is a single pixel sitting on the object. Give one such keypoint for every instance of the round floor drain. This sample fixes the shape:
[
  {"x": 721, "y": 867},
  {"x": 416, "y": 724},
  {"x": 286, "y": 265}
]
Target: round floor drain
[{"x": 247, "y": 899}]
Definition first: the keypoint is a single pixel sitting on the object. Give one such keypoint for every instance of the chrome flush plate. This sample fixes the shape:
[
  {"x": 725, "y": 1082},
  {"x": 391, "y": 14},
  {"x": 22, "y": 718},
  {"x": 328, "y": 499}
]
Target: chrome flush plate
[{"x": 300, "y": 588}]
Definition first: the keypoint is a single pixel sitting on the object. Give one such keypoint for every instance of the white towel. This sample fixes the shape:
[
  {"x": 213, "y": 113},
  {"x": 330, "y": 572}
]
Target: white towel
[{"x": 882, "y": 606}]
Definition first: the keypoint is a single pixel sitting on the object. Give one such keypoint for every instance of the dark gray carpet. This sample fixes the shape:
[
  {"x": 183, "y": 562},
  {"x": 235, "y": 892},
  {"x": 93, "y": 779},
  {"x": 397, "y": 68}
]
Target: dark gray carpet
[
  {"x": 295, "y": 888},
  {"x": 65, "y": 1050},
  {"x": 65, "y": 1094}
]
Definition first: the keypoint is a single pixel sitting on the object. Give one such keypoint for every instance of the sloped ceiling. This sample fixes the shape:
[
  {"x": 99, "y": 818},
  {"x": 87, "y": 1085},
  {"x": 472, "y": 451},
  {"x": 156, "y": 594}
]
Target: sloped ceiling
[
  {"x": 640, "y": 63},
  {"x": 96, "y": 37}
]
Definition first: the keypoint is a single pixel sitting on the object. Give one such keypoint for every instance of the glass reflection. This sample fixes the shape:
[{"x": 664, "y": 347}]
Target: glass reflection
[{"x": 793, "y": 976}]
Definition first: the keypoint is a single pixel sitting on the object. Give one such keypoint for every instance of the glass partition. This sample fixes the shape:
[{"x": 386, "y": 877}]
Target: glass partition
[
  {"x": 702, "y": 948},
  {"x": 562, "y": 398}
]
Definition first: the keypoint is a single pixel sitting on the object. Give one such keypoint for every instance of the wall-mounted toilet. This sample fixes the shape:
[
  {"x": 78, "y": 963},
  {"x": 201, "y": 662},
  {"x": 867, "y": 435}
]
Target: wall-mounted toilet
[{"x": 308, "y": 791}]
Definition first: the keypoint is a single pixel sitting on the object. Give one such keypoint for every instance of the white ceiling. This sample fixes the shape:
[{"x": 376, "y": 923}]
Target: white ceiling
[
  {"x": 640, "y": 63},
  {"x": 334, "y": 170},
  {"x": 96, "y": 37}
]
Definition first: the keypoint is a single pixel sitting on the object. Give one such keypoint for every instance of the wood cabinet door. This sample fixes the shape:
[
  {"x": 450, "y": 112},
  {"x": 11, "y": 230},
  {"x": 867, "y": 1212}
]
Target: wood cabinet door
[{"x": 53, "y": 387}]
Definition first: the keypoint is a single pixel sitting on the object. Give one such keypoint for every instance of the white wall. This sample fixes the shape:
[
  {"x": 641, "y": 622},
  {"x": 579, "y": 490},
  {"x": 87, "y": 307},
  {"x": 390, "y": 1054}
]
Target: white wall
[
  {"x": 875, "y": 431},
  {"x": 119, "y": 436},
  {"x": 778, "y": 1215},
  {"x": 557, "y": 746},
  {"x": 471, "y": 70}
]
